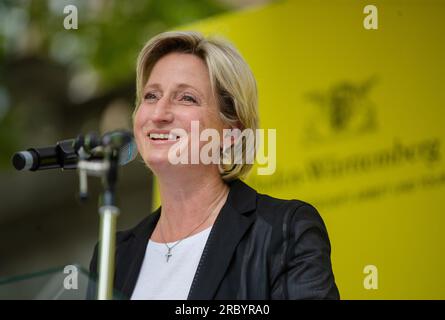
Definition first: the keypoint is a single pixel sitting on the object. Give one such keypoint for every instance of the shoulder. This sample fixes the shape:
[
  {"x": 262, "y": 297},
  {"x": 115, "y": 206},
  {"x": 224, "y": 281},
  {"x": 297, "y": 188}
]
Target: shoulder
[
  {"x": 273, "y": 211},
  {"x": 141, "y": 230},
  {"x": 292, "y": 211},
  {"x": 300, "y": 241}
]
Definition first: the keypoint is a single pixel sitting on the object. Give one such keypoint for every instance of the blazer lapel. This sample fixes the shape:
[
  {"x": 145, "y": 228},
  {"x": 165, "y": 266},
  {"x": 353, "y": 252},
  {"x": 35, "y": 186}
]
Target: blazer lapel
[
  {"x": 131, "y": 260},
  {"x": 230, "y": 226}
]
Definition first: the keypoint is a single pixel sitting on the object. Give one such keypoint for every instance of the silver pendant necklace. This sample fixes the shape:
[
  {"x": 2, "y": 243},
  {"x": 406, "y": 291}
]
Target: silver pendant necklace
[{"x": 169, "y": 254}]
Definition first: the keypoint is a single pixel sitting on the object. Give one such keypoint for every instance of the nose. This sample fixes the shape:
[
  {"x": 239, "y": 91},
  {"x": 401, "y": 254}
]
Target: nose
[{"x": 162, "y": 112}]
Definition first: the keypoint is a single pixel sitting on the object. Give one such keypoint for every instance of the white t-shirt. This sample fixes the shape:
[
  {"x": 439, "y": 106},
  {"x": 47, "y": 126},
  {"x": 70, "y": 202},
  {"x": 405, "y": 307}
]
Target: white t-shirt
[{"x": 162, "y": 280}]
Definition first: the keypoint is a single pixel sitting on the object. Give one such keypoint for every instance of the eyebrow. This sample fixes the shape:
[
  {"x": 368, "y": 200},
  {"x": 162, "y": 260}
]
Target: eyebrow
[{"x": 178, "y": 86}]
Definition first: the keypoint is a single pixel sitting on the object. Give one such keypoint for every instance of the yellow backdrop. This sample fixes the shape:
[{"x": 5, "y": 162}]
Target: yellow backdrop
[{"x": 360, "y": 131}]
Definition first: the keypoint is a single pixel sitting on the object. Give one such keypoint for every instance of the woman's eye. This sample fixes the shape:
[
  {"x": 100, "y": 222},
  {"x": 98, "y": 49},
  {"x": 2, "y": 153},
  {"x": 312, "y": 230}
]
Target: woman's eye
[
  {"x": 150, "y": 96},
  {"x": 188, "y": 98}
]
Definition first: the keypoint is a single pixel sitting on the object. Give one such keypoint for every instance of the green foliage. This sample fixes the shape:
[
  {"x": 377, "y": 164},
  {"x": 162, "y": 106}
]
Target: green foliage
[{"x": 107, "y": 41}]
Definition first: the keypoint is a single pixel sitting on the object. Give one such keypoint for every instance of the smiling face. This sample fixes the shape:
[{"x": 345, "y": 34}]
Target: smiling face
[{"x": 177, "y": 92}]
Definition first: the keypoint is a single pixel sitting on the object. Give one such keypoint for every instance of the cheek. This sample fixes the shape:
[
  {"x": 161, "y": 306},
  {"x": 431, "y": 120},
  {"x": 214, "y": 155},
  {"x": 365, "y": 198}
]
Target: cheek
[
  {"x": 139, "y": 117},
  {"x": 184, "y": 118},
  {"x": 212, "y": 120},
  {"x": 141, "y": 120},
  {"x": 138, "y": 124}
]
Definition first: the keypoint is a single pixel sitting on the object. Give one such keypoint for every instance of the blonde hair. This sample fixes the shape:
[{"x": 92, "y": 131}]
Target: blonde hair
[{"x": 231, "y": 80}]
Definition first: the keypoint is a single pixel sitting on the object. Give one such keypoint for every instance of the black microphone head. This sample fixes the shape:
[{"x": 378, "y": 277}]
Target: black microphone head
[{"x": 23, "y": 160}]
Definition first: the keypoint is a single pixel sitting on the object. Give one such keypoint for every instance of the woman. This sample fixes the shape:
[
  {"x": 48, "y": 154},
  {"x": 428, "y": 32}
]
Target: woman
[{"x": 213, "y": 237}]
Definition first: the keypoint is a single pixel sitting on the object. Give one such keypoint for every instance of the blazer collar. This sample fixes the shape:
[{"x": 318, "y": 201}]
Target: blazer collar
[
  {"x": 227, "y": 231},
  {"x": 231, "y": 224},
  {"x": 129, "y": 265}
]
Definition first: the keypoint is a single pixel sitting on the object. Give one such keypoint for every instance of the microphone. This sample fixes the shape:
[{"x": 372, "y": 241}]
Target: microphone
[{"x": 66, "y": 153}]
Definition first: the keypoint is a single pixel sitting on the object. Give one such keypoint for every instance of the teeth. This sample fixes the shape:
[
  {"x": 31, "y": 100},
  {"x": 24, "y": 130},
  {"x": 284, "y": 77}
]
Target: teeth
[{"x": 162, "y": 136}]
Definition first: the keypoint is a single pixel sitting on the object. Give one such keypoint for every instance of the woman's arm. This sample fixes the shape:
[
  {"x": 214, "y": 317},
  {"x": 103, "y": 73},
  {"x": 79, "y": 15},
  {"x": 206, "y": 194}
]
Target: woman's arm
[{"x": 306, "y": 263}]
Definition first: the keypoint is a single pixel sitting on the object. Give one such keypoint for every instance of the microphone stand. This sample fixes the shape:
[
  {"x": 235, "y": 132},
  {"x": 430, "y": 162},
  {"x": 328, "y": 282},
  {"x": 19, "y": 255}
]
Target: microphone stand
[{"x": 107, "y": 169}]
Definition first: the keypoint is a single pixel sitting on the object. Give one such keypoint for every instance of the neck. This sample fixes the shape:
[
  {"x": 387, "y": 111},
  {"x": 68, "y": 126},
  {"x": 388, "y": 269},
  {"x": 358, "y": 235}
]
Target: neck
[{"x": 189, "y": 200}]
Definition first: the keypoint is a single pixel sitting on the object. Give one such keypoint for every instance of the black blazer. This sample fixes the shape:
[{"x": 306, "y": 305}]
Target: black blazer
[{"x": 259, "y": 248}]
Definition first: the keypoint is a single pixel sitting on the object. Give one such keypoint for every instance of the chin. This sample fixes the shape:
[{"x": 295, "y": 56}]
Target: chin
[{"x": 157, "y": 161}]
